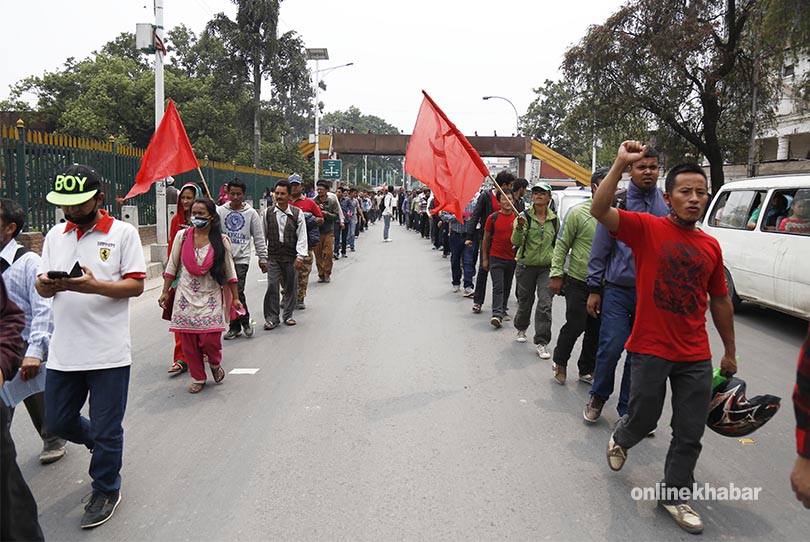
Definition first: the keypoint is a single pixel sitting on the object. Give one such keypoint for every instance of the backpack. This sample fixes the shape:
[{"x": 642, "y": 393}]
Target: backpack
[
  {"x": 382, "y": 204},
  {"x": 5, "y": 265},
  {"x": 313, "y": 230},
  {"x": 555, "y": 222}
]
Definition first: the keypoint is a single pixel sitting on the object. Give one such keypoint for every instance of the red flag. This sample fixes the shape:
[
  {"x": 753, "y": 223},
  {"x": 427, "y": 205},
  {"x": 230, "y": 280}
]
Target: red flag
[
  {"x": 169, "y": 153},
  {"x": 440, "y": 156}
]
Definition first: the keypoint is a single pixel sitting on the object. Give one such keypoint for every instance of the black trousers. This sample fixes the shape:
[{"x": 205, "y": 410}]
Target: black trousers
[
  {"x": 241, "y": 275},
  {"x": 577, "y": 322},
  {"x": 18, "y": 509},
  {"x": 691, "y": 385}
]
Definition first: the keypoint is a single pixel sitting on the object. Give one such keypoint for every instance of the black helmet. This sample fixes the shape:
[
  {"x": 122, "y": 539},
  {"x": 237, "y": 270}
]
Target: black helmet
[{"x": 732, "y": 415}]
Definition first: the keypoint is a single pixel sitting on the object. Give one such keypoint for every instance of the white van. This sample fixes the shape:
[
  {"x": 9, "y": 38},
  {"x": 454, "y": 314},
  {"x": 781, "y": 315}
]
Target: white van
[{"x": 763, "y": 226}]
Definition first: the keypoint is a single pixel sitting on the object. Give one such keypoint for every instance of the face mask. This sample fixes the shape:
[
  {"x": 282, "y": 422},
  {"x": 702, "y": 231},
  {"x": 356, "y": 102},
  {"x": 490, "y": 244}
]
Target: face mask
[
  {"x": 85, "y": 219},
  {"x": 199, "y": 221}
]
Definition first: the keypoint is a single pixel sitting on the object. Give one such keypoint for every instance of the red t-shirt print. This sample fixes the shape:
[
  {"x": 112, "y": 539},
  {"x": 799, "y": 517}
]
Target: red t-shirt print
[
  {"x": 675, "y": 269},
  {"x": 501, "y": 236}
]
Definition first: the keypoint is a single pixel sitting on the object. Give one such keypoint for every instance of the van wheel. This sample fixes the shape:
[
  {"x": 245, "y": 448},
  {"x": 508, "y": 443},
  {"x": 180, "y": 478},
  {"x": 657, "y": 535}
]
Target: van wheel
[{"x": 735, "y": 299}]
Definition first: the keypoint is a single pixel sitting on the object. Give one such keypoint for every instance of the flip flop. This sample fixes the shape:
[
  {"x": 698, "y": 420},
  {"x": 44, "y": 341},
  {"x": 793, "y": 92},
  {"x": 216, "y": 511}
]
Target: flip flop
[
  {"x": 269, "y": 325},
  {"x": 218, "y": 374},
  {"x": 290, "y": 321},
  {"x": 178, "y": 367},
  {"x": 196, "y": 387}
]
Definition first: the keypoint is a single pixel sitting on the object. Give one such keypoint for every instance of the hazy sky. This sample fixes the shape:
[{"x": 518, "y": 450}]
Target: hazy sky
[{"x": 457, "y": 51}]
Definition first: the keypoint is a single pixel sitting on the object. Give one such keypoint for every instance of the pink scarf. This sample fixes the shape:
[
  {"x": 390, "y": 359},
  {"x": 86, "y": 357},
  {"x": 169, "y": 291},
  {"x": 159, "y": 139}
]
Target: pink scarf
[{"x": 189, "y": 259}]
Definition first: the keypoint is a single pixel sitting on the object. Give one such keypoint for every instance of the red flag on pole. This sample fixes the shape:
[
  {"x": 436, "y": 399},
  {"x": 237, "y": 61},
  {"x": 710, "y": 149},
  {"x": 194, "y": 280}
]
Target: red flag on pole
[
  {"x": 169, "y": 153},
  {"x": 440, "y": 156}
]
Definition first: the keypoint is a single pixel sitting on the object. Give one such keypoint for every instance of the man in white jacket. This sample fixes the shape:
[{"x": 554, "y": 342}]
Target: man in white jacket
[{"x": 240, "y": 222}]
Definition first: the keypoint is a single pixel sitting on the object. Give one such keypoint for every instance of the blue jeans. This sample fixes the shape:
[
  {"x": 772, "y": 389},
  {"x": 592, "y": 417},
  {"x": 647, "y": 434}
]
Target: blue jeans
[
  {"x": 352, "y": 226},
  {"x": 386, "y": 225},
  {"x": 461, "y": 255},
  {"x": 618, "y": 313},
  {"x": 65, "y": 395}
]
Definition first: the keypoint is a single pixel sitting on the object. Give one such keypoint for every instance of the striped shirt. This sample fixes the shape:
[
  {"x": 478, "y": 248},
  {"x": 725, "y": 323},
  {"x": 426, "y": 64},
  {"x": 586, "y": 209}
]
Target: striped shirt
[{"x": 21, "y": 279}]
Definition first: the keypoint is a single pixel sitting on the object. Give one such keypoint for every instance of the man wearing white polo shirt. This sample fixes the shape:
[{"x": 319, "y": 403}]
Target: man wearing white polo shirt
[{"x": 90, "y": 347}]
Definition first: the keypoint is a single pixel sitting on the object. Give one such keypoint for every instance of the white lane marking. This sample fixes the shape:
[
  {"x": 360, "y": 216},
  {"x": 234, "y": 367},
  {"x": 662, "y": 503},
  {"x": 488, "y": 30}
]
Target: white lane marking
[{"x": 243, "y": 371}]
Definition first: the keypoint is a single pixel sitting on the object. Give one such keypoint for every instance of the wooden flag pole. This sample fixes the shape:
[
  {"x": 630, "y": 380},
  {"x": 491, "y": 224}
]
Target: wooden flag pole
[
  {"x": 205, "y": 184},
  {"x": 511, "y": 204}
]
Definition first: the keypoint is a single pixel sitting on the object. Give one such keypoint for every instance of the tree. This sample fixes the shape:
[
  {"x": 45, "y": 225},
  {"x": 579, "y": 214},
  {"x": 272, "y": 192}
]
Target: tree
[
  {"x": 545, "y": 117},
  {"x": 684, "y": 63},
  {"x": 252, "y": 41}
]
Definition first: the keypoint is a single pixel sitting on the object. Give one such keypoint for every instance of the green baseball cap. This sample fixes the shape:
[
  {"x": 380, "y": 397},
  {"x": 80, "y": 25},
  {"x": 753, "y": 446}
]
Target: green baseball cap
[
  {"x": 74, "y": 185},
  {"x": 541, "y": 186}
]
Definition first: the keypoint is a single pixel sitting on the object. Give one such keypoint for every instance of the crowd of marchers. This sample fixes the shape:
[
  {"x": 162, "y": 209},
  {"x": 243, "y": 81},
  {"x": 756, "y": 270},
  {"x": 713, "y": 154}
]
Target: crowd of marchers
[
  {"x": 636, "y": 272},
  {"x": 637, "y": 275}
]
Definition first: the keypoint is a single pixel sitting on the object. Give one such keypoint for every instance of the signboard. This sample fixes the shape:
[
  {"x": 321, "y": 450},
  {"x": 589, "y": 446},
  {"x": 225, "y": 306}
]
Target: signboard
[{"x": 331, "y": 169}]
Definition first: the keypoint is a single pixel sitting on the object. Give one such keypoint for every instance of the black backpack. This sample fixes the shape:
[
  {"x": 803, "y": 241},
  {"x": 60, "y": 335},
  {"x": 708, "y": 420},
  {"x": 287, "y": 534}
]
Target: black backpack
[
  {"x": 313, "y": 230},
  {"x": 5, "y": 265}
]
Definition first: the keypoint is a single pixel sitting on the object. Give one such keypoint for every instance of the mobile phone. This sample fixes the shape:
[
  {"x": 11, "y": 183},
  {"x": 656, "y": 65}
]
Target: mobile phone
[
  {"x": 76, "y": 272},
  {"x": 58, "y": 275}
]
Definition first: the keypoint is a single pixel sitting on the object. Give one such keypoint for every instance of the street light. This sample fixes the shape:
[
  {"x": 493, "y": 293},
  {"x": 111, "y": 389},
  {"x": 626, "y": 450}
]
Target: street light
[
  {"x": 517, "y": 117},
  {"x": 317, "y": 54}
]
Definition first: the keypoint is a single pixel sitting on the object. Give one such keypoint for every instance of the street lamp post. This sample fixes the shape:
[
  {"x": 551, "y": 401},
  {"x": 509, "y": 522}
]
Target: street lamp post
[
  {"x": 517, "y": 117},
  {"x": 316, "y": 55}
]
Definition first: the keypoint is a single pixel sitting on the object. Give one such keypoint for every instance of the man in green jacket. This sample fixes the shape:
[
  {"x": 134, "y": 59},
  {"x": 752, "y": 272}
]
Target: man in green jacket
[
  {"x": 533, "y": 234},
  {"x": 576, "y": 240}
]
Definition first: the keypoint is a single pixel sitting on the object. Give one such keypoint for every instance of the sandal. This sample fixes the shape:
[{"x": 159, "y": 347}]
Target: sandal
[
  {"x": 196, "y": 387},
  {"x": 290, "y": 321},
  {"x": 218, "y": 373},
  {"x": 269, "y": 325},
  {"x": 178, "y": 367}
]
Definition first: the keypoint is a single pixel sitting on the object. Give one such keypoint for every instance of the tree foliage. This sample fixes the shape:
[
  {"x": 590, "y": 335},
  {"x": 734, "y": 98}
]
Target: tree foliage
[{"x": 687, "y": 64}]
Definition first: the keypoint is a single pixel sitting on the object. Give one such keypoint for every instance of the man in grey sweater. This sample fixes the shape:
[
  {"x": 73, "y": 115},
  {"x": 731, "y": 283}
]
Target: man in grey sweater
[{"x": 240, "y": 222}]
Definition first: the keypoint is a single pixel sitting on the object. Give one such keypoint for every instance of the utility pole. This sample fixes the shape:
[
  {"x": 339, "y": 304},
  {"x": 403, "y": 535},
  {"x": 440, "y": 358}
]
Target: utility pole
[{"x": 160, "y": 186}]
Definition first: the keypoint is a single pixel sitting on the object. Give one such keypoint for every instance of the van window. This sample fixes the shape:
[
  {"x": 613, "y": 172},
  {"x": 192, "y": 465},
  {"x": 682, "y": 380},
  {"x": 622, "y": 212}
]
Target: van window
[
  {"x": 797, "y": 214},
  {"x": 734, "y": 208},
  {"x": 778, "y": 208}
]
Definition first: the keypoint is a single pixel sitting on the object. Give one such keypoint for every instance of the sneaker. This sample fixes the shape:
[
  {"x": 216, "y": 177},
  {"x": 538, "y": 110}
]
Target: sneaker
[
  {"x": 320, "y": 278},
  {"x": 476, "y": 307},
  {"x": 248, "y": 330},
  {"x": 52, "y": 451},
  {"x": 456, "y": 288},
  {"x": 351, "y": 249},
  {"x": 587, "y": 378},
  {"x": 593, "y": 410},
  {"x": 327, "y": 279},
  {"x": 469, "y": 291},
  {"x": 301, "y": 306},
  {"x": 542, "y": 351},
  {"x": 506, "y": 317},
  {"x": 686, "y": 518},
  {"x": 337, "y": 256},
  {"x": 100, "y": 508},
  {"x": 616, "y": 455},
  {"x": 232, "y": 334},
  {"x": 495, "y": 321},
  {"x": 521, "y": 336},
  {"x": 559, "y": 373}
]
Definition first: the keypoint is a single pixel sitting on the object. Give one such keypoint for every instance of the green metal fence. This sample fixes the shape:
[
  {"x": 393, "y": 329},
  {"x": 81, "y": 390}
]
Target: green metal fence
[{"x": 30, "y": 159}]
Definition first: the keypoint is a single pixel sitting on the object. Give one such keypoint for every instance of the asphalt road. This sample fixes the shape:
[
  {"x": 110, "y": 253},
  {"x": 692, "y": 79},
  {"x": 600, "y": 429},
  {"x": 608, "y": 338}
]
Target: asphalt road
[{"x": 392, "y": 412}]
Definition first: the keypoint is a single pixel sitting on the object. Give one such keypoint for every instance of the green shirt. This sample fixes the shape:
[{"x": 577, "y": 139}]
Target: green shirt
[
  {"x": 577, "y": 238},
  {"x": 535, "y": 242}
]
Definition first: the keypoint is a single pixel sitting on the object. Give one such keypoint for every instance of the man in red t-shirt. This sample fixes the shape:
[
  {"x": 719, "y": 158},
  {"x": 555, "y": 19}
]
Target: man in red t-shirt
[
  {"x": 498, "y": 254},
  {"x": 677, "y": 268},
  {"x": 307, "y": 205}
]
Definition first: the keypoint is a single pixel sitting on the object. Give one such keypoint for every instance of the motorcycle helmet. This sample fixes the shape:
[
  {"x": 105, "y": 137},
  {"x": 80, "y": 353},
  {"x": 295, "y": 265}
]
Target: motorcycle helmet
[{"x": 731, "y": 414}]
